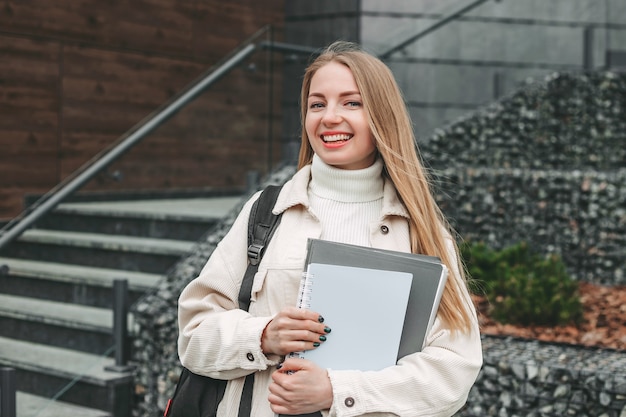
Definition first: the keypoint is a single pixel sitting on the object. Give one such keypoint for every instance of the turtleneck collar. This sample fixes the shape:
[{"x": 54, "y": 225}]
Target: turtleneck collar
[{"x": 345, "y": 185}]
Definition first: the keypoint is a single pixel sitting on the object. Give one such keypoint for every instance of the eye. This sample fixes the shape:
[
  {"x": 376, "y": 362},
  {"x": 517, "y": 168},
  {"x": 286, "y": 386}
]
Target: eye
[
  {"x": 316, "y": 105},
  {"x": 353, "y": 104}
]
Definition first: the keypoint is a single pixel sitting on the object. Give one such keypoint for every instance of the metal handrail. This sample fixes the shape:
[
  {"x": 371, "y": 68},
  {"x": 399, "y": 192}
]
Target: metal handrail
[
  {"x": 51, "y": 199},
  {"x": 436, "y": 25},
  {"x": 289, "y": 48}
]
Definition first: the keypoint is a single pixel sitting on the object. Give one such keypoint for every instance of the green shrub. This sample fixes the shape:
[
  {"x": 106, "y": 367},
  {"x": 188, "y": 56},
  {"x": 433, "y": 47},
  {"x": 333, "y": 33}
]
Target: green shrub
[{"x": 523, "y": 287}]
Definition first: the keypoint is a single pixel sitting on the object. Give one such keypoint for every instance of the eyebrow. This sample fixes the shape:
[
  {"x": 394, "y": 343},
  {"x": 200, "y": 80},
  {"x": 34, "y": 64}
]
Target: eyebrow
[{"x": 343, "y": 94}]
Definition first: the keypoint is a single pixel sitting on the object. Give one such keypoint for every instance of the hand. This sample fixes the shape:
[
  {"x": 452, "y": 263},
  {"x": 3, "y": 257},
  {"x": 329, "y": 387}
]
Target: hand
[
  {"x": 292, "y": 330},
  {"x": 300, "y": 387}
]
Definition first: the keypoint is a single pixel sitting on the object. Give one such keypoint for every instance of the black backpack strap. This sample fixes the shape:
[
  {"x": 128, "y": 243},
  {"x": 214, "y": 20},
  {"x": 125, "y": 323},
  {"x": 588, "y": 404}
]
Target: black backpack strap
[
  {"x": 261, "y": 227},
  {"x": 202, "y": 394}
]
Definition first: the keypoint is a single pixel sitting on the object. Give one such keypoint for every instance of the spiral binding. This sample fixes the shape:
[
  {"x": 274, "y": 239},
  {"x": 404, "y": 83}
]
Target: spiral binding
[{"x": 304, "y": 301}]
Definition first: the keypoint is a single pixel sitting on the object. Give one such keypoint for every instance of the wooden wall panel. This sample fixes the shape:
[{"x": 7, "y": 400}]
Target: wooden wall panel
[
  {"x": 74, "y": 76},
  {"x": 29, "y": 112},
  {"x": 106, "y": 91},
  {"x": 10, "y": 198},
  {"x": 228, "y": 22},
  {"x": 228, "y": 124},
  {"x": 29, "y": 80},
  {"x": 162, "y": 26},
  {"x": 28, "y": 159}
]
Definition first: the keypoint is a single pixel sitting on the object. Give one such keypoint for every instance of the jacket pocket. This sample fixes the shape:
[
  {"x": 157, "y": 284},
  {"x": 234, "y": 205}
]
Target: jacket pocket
[{"x": 273, "y": 289}]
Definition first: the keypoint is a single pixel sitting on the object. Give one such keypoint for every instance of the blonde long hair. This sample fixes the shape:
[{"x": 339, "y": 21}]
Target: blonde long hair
[{"x": 392, "y": 130}]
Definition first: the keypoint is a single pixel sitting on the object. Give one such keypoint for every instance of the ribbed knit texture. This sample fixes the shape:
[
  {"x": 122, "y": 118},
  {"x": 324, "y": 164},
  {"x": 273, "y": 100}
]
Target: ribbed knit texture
[{"x": 346, "y": 201}]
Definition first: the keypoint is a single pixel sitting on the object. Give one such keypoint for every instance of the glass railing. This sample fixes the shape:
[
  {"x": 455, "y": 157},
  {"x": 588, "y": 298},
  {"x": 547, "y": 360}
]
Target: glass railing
[
  {"x": 218, "y": 137},
  {"x": 182, "y": 144}
]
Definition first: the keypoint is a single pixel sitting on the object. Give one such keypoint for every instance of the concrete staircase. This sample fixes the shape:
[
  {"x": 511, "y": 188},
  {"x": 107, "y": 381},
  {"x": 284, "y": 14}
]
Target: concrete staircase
[{"x": 56, "y": 296}]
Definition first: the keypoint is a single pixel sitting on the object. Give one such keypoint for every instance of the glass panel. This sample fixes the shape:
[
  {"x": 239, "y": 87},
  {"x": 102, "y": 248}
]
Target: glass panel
[
  {"x": 216, "y": 147},
  {"x": 209, "y": 145}
]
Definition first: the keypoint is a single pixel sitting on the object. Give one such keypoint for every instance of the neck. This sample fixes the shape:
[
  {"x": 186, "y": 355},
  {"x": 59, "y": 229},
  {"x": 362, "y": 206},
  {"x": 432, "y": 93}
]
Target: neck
[{"x": 359, "y": 185}]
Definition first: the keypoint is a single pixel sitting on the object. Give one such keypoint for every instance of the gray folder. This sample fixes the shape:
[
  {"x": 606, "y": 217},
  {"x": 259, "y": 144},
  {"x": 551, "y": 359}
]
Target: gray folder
[{"x": 429, "y": 279}]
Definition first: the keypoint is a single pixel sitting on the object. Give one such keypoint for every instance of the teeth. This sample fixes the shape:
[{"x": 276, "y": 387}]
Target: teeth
[{"x": 336, "y": 138}]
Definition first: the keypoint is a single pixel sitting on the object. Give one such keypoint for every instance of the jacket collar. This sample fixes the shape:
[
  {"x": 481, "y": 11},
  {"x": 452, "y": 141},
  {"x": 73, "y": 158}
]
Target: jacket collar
[{"x": 295, "y": 192}]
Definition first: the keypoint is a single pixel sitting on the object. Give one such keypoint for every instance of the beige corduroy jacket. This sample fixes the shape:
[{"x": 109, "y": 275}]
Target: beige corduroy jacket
[{"x": 219, "y": 340}]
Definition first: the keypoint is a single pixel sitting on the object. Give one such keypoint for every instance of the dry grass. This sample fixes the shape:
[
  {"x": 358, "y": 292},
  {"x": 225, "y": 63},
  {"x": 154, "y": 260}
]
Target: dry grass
[{"x": 604, "y": 323}]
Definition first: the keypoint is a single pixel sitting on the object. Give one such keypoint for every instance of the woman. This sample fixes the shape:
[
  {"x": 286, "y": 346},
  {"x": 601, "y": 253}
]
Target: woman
[{"x": 360, "y": 181}]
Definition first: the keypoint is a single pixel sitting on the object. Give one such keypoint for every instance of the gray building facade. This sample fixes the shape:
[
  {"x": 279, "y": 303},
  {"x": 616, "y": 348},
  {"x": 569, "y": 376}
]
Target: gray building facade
[{"x": 453, "y": 56}]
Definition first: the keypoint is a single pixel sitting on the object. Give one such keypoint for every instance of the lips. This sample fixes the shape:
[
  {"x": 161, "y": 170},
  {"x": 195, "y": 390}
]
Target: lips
[{"x": 342, "y": 137}]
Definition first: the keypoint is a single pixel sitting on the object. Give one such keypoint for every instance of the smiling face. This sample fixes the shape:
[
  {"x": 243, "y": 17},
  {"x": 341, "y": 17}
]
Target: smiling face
[{"x": 336, "y": 122}]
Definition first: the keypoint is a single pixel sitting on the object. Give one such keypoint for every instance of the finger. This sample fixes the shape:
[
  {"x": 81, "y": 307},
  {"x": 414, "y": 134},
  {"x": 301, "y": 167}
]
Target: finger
[
  {"x": 280, "y": 408},
  {"x": 302, "y": 320},
  {"x": 297, "y": 344},
  {"x": 277, "y": 402},
  {"x": 314, "y": 326},
  {"x": 308, "y": 336},
  {"x": 276, "y": 390},
  {"x": 284, "y": 324},
  {"x": 296, "y": 364},
  {"x": 304, "y": 314},
  {"x": 275, "y": 399},
  {"x": 309, "y": 341}
]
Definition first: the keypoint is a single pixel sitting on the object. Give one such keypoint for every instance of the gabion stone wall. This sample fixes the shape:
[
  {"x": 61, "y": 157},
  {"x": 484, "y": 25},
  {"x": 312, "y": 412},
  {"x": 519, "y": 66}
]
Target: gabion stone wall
[
  {"x": 547, "y": 165},
  {"x": 522, "y": 378},
  {"x": 580, "y": 215},
  {"x": 566, "y": 122}
]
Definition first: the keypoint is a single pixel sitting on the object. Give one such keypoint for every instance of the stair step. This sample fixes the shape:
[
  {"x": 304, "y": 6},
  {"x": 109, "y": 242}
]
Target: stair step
[
  {"x": 112, "y": 224},
  {"x": 110, "y": 242},
  {"x": 211, "y": 208},
  {"x": 80, "y": 274},
  {"x": 106, "y": 251},
  {"x": 84, "y": 328},
  {"x": 46, "y": 371},
  {"x": 52, "y": 312},
  {"x": 70, "y": 283},
  {"x": 62, "y": 276},
  {"x": 28, "y": 405},
  {"x": 182, "y": 219}
]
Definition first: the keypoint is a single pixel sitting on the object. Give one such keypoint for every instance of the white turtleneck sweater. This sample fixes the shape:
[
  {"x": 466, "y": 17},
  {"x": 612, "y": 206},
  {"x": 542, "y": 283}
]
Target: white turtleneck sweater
[{"x": 346, "y": 201}]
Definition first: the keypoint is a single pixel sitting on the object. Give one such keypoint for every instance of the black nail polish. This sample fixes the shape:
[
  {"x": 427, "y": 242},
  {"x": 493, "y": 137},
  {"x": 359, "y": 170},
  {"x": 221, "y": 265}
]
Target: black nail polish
[
  {"x": 280, "y": 365},
  {"x": 327, "y": 329},
  {"x": 320, "y": 319},
  {"x": 323, "y": 338},
  {"x": 316, "y": 344}
]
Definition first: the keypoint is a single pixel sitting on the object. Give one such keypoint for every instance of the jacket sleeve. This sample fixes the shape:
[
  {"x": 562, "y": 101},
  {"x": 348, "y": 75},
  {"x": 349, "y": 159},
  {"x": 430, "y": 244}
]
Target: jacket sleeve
[
  {"x": 216, "y": 338},
  {"x": 433, "y": 382}
]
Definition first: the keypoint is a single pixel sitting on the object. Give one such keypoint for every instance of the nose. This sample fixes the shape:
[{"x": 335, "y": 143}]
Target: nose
[{"x": 331, "y": 115}]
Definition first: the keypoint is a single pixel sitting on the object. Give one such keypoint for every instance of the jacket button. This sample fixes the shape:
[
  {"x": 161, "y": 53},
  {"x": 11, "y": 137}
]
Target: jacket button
[
  {"x": 384, "y": 229},
  {"x": 250, "y": 357},
  {"x": 349, "y": 402}
]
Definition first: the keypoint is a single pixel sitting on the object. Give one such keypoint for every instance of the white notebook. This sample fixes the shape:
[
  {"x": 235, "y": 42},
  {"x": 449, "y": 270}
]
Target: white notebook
[{"x": 365, "y": 310}]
